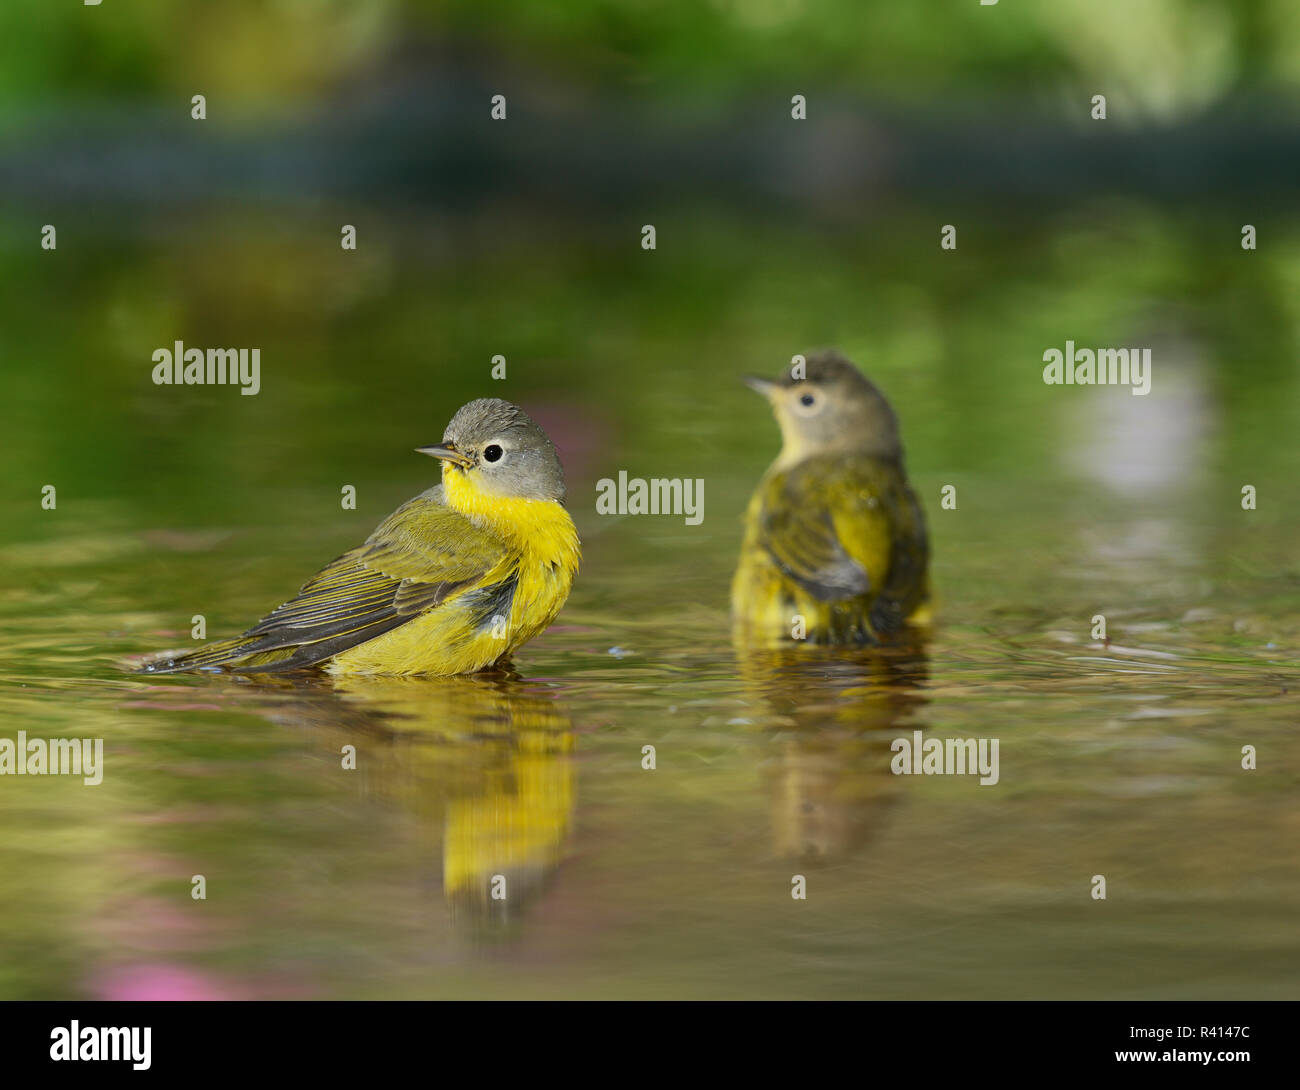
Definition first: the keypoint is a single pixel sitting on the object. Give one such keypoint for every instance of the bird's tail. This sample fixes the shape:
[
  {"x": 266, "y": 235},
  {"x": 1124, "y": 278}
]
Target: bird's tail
[{"x": 212, "y": 656}]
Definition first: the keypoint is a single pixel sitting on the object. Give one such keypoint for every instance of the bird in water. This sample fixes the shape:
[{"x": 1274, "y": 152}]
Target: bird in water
[
  {"x": 835, "y": 548},
  {"x": 452, "y": 582}
]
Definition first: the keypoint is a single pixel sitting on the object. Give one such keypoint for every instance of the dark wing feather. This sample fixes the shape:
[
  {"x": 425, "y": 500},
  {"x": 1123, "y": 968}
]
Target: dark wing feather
[{"x": 828, "y": 525}]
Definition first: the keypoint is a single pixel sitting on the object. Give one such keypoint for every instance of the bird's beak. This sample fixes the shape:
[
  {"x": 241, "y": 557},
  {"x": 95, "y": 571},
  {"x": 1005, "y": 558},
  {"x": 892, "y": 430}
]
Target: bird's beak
[
  {"x": 760, "y": 385},
  {"x": 447, "y": 452}
]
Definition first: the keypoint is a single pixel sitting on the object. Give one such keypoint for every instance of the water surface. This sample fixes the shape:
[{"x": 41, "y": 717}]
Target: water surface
[{"x": 1120, "y": 758}]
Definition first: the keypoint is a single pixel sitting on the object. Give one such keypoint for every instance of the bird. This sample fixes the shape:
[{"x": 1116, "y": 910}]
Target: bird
[
  {"x": 835, "y": 549},
  {"x": 452, "y": 582}
]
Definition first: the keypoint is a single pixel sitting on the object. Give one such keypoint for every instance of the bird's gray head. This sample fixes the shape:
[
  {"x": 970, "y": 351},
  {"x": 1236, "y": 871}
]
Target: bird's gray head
[
  {"x": 829, "y": 405},
  {"x": 497, "y": 445}
]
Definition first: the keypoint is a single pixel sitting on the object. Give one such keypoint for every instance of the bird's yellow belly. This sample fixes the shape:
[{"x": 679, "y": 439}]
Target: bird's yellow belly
[
  {"x": 769, "y": 607},
  {"x": 455, "y": 637}
]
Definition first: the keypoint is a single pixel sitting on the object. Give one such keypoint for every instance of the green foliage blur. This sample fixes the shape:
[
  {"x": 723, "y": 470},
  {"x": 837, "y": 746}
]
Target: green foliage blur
[{"x": 1160, "y": 58}]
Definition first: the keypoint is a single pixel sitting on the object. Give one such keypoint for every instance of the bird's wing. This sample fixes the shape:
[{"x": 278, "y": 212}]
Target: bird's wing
[
  {"x": 419, "y": 556},
  {"x": 829, "y": 525},
  {"x": 906, "y": 585}
]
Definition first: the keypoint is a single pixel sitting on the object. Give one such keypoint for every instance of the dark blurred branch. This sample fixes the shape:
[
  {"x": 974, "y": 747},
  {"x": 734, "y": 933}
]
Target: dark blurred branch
[{"x": 428, "y": 140}]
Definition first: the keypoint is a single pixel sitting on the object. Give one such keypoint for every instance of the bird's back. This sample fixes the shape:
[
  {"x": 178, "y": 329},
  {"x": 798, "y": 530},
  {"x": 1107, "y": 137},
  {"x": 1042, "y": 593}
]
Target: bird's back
[{"x": 838, "y": 540}]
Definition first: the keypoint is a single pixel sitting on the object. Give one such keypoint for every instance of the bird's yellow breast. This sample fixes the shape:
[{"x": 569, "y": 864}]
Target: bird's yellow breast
[{"x": 515, "y": 600}]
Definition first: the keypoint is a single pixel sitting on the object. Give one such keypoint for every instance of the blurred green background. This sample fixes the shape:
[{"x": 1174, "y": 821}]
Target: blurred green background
[{"x": 774, "y": 236}]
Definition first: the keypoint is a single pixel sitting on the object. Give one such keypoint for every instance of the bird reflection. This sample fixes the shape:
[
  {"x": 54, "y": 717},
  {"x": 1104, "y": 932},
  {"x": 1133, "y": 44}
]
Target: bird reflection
[
  {"x": 832, "y": 714},
  {"x": 482, "y": 762}
]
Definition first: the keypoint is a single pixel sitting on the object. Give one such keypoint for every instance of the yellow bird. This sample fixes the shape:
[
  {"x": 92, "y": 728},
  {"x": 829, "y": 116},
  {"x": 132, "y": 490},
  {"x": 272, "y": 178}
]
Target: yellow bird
[
  {"x": 451, "y": 582},
  {"x": 835, "y": 548}
]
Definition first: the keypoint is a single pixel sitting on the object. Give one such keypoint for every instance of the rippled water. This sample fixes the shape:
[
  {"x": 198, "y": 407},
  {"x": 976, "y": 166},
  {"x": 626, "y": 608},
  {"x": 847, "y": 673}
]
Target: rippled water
[{"x": 1119, "y": 758}]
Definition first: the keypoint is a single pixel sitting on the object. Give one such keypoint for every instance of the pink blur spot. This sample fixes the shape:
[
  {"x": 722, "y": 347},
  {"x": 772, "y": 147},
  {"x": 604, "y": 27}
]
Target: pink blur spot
[{"x": 129, "y": 983}]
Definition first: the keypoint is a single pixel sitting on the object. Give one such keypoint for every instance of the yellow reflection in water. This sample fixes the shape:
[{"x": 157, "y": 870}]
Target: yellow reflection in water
[
  {"x": 834, "y": 712},
  {"x": 484, "y": 763}
]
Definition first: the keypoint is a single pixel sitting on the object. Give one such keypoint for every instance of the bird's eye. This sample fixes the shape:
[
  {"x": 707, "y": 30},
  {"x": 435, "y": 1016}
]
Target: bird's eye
[
  {"x": 808, "y": 403},
  {"x": 492, "y": 453}
]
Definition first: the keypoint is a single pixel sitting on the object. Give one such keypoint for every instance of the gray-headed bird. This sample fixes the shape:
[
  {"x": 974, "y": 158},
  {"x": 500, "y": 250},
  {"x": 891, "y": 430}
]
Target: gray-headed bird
[
  {"x": 835, "y": 547},
  {"x": 451, "y": 582}
]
